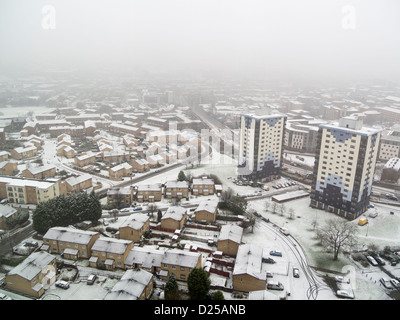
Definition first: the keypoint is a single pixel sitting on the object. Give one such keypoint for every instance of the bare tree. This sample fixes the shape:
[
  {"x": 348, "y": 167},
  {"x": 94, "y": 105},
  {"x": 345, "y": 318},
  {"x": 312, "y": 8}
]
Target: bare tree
[
  {"x": 336, "y": 234},
  {"x": 291, "y": 213},
  {"x": 282, "y": 209},
  {"x": 227, "y": 194},
  {"x": 267, "y": 205},
  {"x": 274, "y": 207},
  {"x": 152, "y": 208}
]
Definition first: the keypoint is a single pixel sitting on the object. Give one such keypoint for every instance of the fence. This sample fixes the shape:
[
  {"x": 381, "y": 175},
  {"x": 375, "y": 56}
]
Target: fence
[
  {"x": 225, "y": 274},
  {"x": 197, "y": 226}
]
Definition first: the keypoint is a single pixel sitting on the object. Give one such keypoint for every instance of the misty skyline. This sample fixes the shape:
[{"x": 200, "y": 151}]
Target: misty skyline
[{"x": 310, "y": 39}]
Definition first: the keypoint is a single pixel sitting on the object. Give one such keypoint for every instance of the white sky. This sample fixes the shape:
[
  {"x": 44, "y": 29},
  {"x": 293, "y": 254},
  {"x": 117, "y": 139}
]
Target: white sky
[{"x": 299, "y": 38}]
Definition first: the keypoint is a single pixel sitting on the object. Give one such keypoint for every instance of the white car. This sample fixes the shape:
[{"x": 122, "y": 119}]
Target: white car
[
  {"x": 395, "y": 283},
  {"x": 342, "y": 279},
  {"x": 62, "y": 284},
  {"x": 386, "y": 283},
  {"x": 345, "y": 294}
]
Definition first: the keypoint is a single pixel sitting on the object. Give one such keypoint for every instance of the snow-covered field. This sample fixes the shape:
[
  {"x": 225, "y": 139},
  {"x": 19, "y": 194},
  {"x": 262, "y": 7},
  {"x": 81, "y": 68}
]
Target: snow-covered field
[{"x": 22, "y": 111}]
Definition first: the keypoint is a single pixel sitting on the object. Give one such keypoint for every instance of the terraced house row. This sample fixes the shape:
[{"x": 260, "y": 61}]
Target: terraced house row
[{"x": 112, "y": 253}]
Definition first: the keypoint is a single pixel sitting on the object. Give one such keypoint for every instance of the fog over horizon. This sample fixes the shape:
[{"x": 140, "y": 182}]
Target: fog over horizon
[{"x": 287, "y": 39}]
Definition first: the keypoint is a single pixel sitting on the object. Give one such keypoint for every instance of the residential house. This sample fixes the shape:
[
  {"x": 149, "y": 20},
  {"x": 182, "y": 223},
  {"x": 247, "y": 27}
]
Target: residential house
[
  {"x": 134, "y": 227},
  {"x": 230, "y": 238},
  {"x": 174, "y": 218},
  {"x": 133, "y": 285},
  {"x": 119, "y": 197},
  {"x": 247, "y": 273},
  {"x": 7, "y": 213},
  {"x": 115, "y": 156},
  {"x": 207, "y": 211},
  {"x": 121, "y": 170},
  {"x": 165, "y": 263},
  {"x": 24, "y": 153},
  {"x": 179, "y": 263},
  {"x": 76, "y": 184},
  {"x": 8, "y": 168},
  {"x": 140, "y": 165},
  {"x": 110, "y": 252},
  {"x": 145, "y": 258},
  {"x": 32, "y": 275},
  {"x": 176, "y": 189},
  {"x": 4, "y": 155},
  {"x": 85, "y": 159},
  {"x": 70, "y": 242},
  {"x": 41, "y": 172},
  {"x": 203, "y": 186},
  {"x": 149, "y": 192},
  {"x": 155, "y": 160}
]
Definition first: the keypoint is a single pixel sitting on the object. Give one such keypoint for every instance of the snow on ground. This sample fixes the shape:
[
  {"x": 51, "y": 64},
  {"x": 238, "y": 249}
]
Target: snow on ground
[{"x": 22, "y": 111}]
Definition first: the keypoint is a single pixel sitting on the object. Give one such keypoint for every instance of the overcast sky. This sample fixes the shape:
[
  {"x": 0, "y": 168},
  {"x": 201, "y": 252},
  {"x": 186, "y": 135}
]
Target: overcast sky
[{"x": 289, "y": 38}]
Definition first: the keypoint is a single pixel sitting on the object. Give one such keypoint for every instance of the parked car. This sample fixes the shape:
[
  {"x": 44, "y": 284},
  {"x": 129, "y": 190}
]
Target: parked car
[
  {"x": 137, "y": 209},
  {"x": 342, "y": 279},
  {"x": 373, "y": 215},
  {"x": 91, "y": 279},
  {"x": 386, "y": 283},
  {"x": 296, "y": 273},
  {"x": 268, "y": 260},
  {"x": 380, "y": 261},
  {"x": 4, "y": 297},
  {"x": 62, "y": 284},
  {"x": 345, "y": 294},
  {"x": 269, "y": 274},
  {"x": 33, "y": 244},
  {"x": 372, "y": 261},
  {"x": 395, "y": 283},
  {"x": 276, "y": 253},
  {"x": 275, "y": 285}
]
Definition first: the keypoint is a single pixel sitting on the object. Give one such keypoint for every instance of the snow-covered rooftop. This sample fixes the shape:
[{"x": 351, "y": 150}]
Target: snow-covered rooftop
[{"x": 67, "y": 234}]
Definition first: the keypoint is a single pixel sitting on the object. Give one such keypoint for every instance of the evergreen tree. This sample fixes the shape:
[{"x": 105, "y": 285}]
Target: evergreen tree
[
  {"x": 181, "y": 176},
  {"x": 171, "y": 289},
  {"x": 198, "y": 284},
  {"x": 63, "y": 211},
  {"x": 218, "y": 295}
]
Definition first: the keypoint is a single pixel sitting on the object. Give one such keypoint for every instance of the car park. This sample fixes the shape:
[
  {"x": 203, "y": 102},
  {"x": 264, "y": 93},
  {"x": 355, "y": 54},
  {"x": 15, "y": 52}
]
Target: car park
[
  {"x": 62, "y": 284},
  {"x": 276, "y": 253}
]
